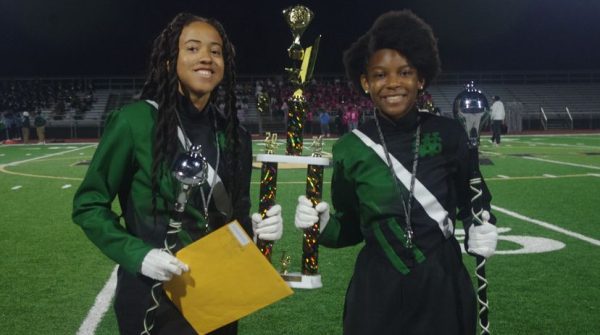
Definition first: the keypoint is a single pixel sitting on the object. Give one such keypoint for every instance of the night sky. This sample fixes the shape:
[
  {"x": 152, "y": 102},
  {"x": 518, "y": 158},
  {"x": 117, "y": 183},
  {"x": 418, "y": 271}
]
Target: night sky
[{"x": 113, "y": 37}]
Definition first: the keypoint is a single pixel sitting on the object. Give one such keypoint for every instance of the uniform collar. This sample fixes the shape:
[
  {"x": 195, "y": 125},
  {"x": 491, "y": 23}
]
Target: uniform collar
[{"x": 407, "y": 122}]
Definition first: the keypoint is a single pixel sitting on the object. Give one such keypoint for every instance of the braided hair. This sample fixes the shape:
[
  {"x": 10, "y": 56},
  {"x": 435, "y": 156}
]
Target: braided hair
[{"x": 162, "y": 86}]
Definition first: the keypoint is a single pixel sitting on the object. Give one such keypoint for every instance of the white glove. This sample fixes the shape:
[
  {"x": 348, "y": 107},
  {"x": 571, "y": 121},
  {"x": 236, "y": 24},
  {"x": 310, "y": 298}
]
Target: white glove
[
  {"x": 271, "y": 227},
  {"x": 483, "y": 238},
  {"x": 307, "y": 215},
  {"x": 160, "y": 265}
]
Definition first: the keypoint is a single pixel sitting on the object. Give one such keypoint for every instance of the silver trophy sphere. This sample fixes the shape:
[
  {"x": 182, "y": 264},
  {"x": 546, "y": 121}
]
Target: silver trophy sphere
[
  {"x": 190, "y": 169},
  {"x": 471, "y": 108}
]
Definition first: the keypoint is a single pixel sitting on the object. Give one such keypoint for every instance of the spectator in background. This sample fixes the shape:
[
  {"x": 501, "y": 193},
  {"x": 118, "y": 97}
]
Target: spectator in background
[
  {"x": 352, "y": 117},
  {"x": 25, "y": 125},
  {"x": 285, "y": 109},
  {"x": 40, "y": 128},
  {"x": 340, "y": 122},
  {"x": 497, "y": 116},
  {"x": 3, "y": 129},
  {"x": 324, "y": 120}
]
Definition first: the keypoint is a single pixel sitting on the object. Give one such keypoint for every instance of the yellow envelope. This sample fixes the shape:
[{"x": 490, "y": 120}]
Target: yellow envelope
[{"x": 229, "y": 278}]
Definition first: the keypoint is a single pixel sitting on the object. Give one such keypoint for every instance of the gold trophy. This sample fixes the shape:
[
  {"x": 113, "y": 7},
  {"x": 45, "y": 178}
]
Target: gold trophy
[
  {"x": 298, "y": 18},
  {"x": 303, "y": 64}
]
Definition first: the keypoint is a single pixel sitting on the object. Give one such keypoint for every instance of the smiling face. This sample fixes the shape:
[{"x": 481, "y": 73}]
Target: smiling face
[
  {"x": 200, "y": 64},
  {"x": 392, "y": 83}
]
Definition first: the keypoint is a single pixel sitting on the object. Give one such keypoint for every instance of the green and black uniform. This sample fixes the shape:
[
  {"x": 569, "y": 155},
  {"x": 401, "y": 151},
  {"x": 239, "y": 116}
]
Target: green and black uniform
[
  {"x": 122, "y": 166},
  {"x": 398, "y": 290}
]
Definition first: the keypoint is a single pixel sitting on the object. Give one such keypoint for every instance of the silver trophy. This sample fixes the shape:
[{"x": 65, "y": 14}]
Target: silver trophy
[{"x": 190, "y": 169}]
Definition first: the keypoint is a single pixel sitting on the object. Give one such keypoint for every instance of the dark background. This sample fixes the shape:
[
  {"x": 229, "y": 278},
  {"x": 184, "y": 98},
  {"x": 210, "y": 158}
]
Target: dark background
[{"x": 113, "y": 37}]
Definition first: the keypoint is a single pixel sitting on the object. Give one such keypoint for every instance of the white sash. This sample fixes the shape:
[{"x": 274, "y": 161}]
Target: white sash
[{"x": 428, "y": 201}]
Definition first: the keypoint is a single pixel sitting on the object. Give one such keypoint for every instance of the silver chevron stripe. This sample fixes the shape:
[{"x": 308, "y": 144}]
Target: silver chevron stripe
[
  {"x": 222, "y": 201},
  {"x": 427, "y": 200},
  {"x": 186, "y": 143}
]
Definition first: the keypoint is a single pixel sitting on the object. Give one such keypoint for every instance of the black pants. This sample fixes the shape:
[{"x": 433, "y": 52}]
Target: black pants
[
  {"x": 496, "y": 130},
  {"x": 133, "y": 298},
  {"x": 436, "y": 297}
]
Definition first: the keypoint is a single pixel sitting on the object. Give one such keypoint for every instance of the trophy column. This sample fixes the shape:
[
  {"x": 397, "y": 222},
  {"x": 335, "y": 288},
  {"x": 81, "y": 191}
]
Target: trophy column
[
  {"x": 314, "y": 192},
  {"x": 268, "y": 190}
]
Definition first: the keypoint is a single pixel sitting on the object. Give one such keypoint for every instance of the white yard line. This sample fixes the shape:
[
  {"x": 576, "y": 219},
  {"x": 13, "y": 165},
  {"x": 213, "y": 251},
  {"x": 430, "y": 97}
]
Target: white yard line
[
  {"x": 562, "y": 145},
  {"x": 101, "y": 305},
  {"x": 3, "y": 166},
  {"x": 562, "y": 163},
  {"x": 548, "y": 226},
  {"x": 44, "y": 156}
]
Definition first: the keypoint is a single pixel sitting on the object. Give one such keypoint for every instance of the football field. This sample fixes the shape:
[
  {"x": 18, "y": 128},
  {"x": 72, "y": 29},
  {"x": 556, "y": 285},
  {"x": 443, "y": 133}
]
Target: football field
[{"x": 544, "y": 279}]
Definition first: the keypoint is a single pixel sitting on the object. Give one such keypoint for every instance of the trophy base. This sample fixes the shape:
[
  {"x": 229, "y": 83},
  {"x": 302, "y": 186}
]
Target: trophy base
[{"x": 298, "y": 280}]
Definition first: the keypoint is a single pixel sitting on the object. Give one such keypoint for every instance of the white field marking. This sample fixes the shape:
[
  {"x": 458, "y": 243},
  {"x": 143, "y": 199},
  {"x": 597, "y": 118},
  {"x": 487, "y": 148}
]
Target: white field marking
[
  {"x": 3, "y": 166},
  {"x": 45, "y": 156},
  {"x": 65, "y": 186},
  {"x": 547, "y": 175},
  {"x": 28, "y": 154},
  {"x": 490, "y": 153},
  {"x": 1, "y": 155},
  {"x": 16, "y": 187},
  {"x": 516, "y": 136},
  {"x": 563, "y": 145},
  {"x": 542, "y": 177},
  {"x": 547, "y": 225},
  {"x": 563, "y": 163},
  {"x": 101, "y": 305},
  {"x": 529, "y": 244},
  {"x": 499, "y": 177}
]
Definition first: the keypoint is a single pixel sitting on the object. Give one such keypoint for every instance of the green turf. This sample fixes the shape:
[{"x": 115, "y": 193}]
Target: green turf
[{"x": 51, "y": 273}]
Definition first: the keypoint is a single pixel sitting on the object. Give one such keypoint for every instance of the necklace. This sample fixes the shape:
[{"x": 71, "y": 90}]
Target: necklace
[
  {"x": 406, "y": 204},
  {"x": 185, "y": 141}
]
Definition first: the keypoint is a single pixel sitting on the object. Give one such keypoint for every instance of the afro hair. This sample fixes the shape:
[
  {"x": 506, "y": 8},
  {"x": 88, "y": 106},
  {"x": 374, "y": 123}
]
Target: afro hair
[{"x": 402, "y": 31}]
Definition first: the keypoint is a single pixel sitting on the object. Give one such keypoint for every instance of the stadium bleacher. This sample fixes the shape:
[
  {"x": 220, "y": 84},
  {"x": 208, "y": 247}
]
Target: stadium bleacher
[{"x": 77, "y": 107}]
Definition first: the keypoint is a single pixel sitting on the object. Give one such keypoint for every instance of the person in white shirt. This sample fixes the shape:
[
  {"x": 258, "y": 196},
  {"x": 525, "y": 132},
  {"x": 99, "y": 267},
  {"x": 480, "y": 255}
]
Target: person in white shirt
[{"x": 497, "y": 115}]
